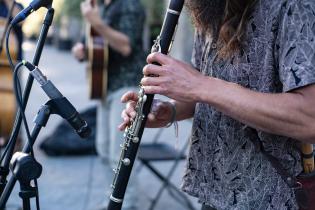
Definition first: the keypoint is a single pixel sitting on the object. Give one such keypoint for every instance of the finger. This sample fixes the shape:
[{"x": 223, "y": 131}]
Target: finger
[
  {"x": 159, "y": 58},
  {"x": 154, "y": 90},
  {"x": 122, "y": 126},
  {"x": 151, "y": 81},
  {"x": 125, "y": 116},
  {"x": 152, "y": 69},
  {"x": 130, "y": 109},
  {"x": 129, "y": 96}
]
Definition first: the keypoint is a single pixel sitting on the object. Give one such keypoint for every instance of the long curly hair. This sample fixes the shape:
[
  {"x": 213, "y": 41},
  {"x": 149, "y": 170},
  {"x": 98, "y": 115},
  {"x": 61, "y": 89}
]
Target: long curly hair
[{"x": 224, "y": 19}]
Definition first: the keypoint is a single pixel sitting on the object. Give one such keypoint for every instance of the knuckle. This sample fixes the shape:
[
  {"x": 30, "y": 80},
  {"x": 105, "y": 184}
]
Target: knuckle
[
  {"x": 144, "y": 81},
  {"x": 165, "y": 90},
  {"x": 155, "y": 55}
]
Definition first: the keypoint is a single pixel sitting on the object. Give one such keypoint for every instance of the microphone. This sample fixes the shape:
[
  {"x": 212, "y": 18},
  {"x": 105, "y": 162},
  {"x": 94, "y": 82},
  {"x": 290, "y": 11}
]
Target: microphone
[
  {"x": 34, "y": 5},
  {"x": 60, "y": 103}
]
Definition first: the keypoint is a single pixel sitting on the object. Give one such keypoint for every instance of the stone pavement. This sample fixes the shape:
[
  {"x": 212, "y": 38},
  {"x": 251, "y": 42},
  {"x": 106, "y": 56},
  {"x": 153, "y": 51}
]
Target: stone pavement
[{"x": 77, "y": 183}]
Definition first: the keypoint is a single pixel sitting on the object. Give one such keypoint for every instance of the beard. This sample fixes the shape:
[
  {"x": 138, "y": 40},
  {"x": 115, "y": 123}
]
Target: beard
[{"x": 206, "y": 14}]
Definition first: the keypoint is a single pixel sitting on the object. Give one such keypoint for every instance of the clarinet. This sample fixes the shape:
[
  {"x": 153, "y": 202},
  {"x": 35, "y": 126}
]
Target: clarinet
[{"x": 133, "y": 133}]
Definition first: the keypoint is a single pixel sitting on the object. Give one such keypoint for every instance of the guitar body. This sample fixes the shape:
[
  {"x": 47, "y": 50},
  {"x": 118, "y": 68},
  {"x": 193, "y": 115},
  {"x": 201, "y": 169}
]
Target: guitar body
[{"x": 97, "y": 50}]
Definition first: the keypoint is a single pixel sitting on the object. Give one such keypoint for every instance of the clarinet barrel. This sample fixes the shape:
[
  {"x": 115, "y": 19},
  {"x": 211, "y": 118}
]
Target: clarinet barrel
[{"x": 133, "y": 134}]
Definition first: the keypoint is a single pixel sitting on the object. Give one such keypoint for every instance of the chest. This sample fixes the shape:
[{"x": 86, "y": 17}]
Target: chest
[{"x": 255, "y": 66}]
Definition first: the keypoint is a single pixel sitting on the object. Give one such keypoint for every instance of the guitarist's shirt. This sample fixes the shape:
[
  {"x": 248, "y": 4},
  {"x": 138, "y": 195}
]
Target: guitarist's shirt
[
  {"x": 225, "y": 168},
  {"x": 126, "y": 16}
]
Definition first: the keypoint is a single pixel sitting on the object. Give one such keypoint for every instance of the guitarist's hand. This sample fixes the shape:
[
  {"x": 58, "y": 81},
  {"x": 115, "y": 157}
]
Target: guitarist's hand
[
  {"x": 91, "y": 13},
  {"x": 78, "y": 51}
]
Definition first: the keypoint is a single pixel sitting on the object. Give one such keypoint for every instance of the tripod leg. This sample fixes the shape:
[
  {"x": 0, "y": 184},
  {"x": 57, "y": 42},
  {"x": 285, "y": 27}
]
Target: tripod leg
[{"x": 26, "y": 204}]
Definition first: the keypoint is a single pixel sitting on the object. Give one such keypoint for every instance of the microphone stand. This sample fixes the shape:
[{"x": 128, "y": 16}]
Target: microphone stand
[
  {"x": 4, "y": 169},
  {"x": 28, "y": 169}
]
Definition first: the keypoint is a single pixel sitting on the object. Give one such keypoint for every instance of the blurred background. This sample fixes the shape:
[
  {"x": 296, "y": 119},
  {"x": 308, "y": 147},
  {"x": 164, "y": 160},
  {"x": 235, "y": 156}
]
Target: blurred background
[
  {"x": 74, "y": 182},
  {"x": 68, "y": 25}
]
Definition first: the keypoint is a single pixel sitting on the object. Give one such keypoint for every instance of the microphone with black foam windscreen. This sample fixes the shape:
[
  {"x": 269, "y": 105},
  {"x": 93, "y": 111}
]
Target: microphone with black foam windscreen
[
  {"x": 63, "y": 106},
  {"x": 34, "y": 5}
]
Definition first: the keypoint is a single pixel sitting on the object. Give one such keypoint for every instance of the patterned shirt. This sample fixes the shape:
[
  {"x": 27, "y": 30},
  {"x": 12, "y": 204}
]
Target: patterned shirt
[
  {"x": 126, "y": 16},
  {"x": 225, "y": 169}
]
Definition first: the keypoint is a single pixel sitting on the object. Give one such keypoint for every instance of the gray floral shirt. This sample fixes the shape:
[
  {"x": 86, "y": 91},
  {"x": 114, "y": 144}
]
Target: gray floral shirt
[
  {"x": 225, "y": 169},
  {"x": 126, "y": 16}
]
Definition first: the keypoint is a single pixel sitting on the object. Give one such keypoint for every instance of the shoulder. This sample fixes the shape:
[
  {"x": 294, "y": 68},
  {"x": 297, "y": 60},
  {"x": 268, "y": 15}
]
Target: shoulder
[
  {"x": 297, "y": 13},
  {"x": 292, "y": 7},
  {"x": 282, "y": 12}
]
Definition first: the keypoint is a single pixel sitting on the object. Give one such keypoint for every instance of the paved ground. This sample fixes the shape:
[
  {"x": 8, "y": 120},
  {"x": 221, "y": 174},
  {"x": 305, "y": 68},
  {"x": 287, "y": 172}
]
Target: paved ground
[{"x": 77, "y": 183}]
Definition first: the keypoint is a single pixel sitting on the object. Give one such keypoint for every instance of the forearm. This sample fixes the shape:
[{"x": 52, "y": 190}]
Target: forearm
[
  {"x": 287, "y": 114},
  {"x": 116, "y": 40}
]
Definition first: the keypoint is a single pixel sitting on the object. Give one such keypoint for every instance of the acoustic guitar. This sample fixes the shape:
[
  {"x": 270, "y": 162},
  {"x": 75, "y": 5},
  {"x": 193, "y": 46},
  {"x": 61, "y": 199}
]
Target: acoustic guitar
[{"x": 97, "y": 54}]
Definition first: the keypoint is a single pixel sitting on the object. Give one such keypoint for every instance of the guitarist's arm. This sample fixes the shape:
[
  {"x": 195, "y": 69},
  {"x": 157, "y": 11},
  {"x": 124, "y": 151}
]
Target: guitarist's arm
[{"x": 116, "y": 40}]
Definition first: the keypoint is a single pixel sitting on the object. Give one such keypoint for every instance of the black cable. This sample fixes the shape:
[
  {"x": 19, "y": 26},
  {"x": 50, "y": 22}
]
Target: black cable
[
  {"x": 7, "y": 37},
  {"x": 19, "y": 99},
  {"x": 14, "y": 128},
  {"x": 10, "y": 142}
]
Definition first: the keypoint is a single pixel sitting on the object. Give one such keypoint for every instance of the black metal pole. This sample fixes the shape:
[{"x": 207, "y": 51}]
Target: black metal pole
[
  {"x": 39, "y": 48},
  {"x": 10, "y": 185},
  {"x": 40, "y": 121}
]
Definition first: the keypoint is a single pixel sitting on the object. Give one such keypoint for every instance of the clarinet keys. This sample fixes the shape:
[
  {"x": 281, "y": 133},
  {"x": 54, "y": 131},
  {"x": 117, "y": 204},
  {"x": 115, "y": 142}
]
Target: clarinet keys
[
  {"x": 136, "y": 140},
  {"x": 126, "y": 161}
]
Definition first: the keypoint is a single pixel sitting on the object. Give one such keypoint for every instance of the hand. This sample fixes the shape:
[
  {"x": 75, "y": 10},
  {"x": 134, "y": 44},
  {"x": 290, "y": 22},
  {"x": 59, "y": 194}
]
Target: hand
[
  {"x": 175, "y": 79},
  {"x": 91, "y": 12},
  {"x": 160, "y": 115},
  {"x": 78, "y": 51}
]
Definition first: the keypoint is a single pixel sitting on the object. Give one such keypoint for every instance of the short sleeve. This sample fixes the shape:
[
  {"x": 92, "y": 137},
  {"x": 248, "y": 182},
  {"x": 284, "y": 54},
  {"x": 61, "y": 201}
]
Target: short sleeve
[
  {"x": 296, "y": 46},
  {"x": 131, "y": 21}
]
